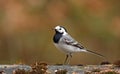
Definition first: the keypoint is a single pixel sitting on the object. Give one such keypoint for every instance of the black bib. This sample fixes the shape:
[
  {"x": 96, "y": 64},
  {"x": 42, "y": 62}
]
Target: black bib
[{"x": 57, "y": 37}]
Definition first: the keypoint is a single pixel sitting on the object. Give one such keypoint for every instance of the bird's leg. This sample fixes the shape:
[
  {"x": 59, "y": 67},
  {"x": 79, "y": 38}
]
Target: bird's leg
[
  {"x": 66, "y": 59},
  {"x": 70, "y": 56}
]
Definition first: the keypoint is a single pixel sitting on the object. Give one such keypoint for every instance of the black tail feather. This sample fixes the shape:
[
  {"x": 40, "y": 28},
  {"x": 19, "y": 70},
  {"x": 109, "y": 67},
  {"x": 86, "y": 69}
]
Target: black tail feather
[{"x": 100, "y": 55}]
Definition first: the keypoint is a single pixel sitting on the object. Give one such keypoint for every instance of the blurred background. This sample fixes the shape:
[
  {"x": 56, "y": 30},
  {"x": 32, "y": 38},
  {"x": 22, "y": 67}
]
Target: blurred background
[{"x": 26, "y": 29}]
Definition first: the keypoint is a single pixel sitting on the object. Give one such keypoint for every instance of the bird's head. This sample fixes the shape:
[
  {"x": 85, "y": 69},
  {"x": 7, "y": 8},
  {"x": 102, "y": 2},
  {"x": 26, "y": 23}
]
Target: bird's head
[{"x": 60, "y": 29}]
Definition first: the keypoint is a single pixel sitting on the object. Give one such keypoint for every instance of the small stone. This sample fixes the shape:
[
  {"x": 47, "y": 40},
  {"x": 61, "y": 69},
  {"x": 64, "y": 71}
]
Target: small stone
[{"x": 105, "y": 63}]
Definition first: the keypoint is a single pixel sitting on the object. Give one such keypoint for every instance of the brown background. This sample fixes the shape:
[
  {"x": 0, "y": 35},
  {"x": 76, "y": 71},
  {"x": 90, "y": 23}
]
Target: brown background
[{"x": 26, "y": 35}]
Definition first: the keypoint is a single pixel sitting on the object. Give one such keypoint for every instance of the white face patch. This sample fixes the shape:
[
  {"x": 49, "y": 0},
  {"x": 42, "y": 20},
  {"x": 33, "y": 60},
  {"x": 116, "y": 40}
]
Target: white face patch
[{"x": 60, "y": 29}]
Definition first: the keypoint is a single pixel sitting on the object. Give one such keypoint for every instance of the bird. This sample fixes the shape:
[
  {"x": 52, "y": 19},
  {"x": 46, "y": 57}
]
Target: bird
[{"x": 67, "y": 44}]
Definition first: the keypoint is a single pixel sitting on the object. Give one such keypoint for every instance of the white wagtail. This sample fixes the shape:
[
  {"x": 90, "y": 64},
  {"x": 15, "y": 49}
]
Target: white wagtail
[{"x": 64, "y": 42}]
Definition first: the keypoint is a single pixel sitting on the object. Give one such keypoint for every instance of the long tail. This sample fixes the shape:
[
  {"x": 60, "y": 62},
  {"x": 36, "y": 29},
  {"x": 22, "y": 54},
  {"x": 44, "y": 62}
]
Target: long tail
[{"x": 100, "y": 55}]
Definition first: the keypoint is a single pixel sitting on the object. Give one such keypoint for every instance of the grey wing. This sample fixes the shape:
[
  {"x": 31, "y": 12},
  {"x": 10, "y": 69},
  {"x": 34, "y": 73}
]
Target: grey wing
[{"x": 71, "y": 41}]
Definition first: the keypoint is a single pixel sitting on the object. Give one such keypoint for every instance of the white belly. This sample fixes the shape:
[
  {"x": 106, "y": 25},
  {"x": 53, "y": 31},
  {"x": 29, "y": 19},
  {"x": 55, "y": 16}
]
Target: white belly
[{"x": 68, "y": 48}]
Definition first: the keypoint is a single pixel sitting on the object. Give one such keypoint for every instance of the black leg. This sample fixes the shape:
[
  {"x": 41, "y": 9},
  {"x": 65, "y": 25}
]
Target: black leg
[
  {"x": 66, "y": 59},
  {"x": 69, "y": 58}
]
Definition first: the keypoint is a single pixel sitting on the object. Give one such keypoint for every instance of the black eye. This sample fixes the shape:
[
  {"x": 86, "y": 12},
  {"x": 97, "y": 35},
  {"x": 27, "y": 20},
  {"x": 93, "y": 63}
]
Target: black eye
[{"x": 60, "y": 29}]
